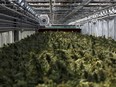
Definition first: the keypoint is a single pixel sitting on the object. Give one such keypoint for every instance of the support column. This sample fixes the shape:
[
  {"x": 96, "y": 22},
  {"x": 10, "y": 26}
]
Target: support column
[
  {"x": 0, "y": 40},
  {"x": 99, "y": 27},
  {"x": 111, "y": 28},
  {"x": 16, "y": 35},
  {"x": 105, "y": 28},
  {"x": 11, "y": 37},
  {"x": 90, "y": 28},
  {"x": 115, "y": 28}
]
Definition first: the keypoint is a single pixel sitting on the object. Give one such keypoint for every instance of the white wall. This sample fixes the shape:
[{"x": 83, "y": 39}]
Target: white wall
[
  {"x": 24, "y": 34},
  {"x": 101, "y": 27},
  {"x": 8, "y": 37}
]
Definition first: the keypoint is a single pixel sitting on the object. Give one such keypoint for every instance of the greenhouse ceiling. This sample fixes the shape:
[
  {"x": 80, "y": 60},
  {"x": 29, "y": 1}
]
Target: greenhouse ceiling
[{"x": 61, "y": 11}]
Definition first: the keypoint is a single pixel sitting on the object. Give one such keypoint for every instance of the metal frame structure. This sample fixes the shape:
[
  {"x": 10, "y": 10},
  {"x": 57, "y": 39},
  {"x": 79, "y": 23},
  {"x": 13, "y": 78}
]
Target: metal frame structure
[
  {"x": 107, "y": 12},
  {"x": 22, "y": 13},
  {"x": 65, "y": 11},
  {"x": 15, "y": 17}
]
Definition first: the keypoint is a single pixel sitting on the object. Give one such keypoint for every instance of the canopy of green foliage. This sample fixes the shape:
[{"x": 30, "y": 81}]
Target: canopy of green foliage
[{"x": 59, "y": 59}]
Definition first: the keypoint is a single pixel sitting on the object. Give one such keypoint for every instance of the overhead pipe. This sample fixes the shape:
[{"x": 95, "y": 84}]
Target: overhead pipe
[
  {"x": 67, "y": 1},
  {"x": 11, "y": 17},
  {"x": 15, "y": 22},
  {"x": 51, "y": 10},
  {"x": 76, "y": 9},
  {"x": 18, "y": 13},
  {"x": 110, "y": 13}
]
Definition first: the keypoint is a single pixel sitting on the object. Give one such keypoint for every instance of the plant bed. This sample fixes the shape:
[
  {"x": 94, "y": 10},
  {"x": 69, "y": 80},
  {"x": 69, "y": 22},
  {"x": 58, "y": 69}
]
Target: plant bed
[{"x": 59, "y": 59}]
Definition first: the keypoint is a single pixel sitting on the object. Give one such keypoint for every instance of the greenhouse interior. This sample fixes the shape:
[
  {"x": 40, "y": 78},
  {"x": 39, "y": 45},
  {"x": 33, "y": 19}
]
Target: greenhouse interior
[{"x": 57, "y": 43}]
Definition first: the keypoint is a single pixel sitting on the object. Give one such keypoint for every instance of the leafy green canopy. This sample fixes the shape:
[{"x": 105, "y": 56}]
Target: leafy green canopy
[{"x": 59, "y": 59}]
